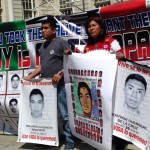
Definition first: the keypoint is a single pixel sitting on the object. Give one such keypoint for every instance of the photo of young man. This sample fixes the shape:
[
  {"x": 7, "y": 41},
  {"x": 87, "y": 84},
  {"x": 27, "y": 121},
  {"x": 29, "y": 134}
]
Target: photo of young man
[
  {"x": 36, "y": 103},
  {"x": 15, "y": 80},
  {"x": 13, "y": 103},
  {"x": 135, "y": 89},
  {"x": 85, "y": 98}
]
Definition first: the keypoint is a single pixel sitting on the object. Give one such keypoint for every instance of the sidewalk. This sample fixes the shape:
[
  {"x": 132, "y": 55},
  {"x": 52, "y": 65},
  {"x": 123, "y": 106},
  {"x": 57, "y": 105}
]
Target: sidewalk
[{"x": 8, "y": 142}]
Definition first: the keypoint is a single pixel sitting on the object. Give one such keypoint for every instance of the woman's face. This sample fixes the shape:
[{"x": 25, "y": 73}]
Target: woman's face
[{"x": 94, "y": 29}]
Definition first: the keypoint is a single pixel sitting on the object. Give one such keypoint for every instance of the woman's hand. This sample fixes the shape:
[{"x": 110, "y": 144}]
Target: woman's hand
[{"x": 119, "y": 55}]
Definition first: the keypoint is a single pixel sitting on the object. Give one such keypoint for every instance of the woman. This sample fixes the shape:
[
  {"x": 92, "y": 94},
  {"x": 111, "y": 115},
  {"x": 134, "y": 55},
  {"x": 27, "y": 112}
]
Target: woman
[{"x": 98, "y": 38}]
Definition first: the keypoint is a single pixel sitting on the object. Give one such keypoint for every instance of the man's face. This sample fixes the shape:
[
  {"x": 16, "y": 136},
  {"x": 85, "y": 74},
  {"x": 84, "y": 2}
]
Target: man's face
[
  {"x": 15, "y": 82},
  {"x": 13, "y": 106},
  {"x": 85, "y": 100},
  {"x": 134, "y": 93},
  {"x": 47, "y": 32},
  {"x": 36, "y": 105}
]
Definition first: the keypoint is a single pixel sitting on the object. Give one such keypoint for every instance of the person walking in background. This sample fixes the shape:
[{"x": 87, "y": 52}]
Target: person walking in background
[{"x": 51, "y": 66}]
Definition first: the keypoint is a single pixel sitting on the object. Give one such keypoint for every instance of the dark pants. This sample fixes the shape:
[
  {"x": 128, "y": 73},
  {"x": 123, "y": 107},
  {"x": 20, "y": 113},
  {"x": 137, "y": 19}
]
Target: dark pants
[{"x": 120, "y": 144}]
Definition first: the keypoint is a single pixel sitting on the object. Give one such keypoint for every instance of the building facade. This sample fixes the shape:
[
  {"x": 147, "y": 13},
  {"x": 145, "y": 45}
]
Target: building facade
[{"x": 11, "y": 10}]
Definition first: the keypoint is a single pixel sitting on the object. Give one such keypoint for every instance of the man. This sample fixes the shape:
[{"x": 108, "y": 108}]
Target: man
[
  {"x": 15, "y": 79},
  {"x": 85, "y": 98},
  {"x": 51, "y": 66},
  {"x": 36, "y": 100},
  {"x": 13, "y": 105},
  {"x": 135, "y": 88}
]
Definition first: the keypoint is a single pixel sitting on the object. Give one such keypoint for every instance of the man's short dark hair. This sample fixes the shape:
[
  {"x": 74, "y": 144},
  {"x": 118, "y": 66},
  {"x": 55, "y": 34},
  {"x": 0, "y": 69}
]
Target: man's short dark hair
[
  {"x": 15, "y": 75},
  {"x": 35, "y": 92},
  {"x": 1, "y": 75},
  {"x": 83, "y": 84},
  {"x": 137, "y": 77},
  {"x": 49, "y": 19},
  {"x": 13, "y": 100}
]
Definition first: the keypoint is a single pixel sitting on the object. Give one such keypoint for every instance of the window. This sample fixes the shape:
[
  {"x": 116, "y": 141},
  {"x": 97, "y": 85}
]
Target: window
[
  {"x": 28, "y": 8},
  {"x": 66, "y": 7},
  {"x": 100, "y": 3}
]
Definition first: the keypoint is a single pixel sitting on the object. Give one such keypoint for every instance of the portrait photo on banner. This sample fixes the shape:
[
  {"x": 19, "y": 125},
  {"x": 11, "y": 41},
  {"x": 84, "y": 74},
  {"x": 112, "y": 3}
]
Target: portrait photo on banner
[
  {"x": 132, "y": 92},
  {"x": 85, "y": 97},
  {"x": 35, "y": 103},
  {"x": 14, "y": 82},
  {"x": 12, "y": 105},
  {"x": 2, "y": 82},
  {"x": 86, "y": 103}
]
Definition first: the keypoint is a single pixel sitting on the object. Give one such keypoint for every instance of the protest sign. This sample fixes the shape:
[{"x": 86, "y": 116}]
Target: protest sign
[
  {"x": 129, "y": 23},
  {"x": 89, "y": 96},
  {"x": 131, "y": 120},
  {"x": 38, "y": 113}
]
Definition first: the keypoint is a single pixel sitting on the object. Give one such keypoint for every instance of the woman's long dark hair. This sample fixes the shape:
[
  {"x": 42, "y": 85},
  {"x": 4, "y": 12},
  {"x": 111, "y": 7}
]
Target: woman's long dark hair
[{"x": 102, "y": 34}]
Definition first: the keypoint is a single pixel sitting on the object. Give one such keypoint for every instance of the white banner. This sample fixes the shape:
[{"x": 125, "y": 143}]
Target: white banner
[
  {"x": 38, "y": 113},
  {"x": 131, "y": 119},
  {"x": 89, "y": 87}
]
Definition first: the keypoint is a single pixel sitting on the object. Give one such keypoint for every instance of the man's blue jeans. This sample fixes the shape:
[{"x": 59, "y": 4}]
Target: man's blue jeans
[{"x": 62, "y": 107}]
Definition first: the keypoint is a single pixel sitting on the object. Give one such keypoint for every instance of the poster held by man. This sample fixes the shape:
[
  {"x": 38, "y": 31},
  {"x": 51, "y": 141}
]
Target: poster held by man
[{"x": 38, "y": 113}]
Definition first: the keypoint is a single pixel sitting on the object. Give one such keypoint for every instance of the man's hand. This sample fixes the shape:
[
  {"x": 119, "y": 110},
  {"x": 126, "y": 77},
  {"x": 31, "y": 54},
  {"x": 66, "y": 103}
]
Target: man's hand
[
  {"x": 27, "y": 78},
  {"x": 56, "y": 78},
  {"x": 68, "y": 52}
]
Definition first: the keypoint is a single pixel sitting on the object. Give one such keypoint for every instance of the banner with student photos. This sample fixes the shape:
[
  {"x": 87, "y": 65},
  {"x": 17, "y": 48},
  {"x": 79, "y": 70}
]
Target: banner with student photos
[
  {"x": 10, "y": 88},
  {"x": 38, "y": 112},
  {"x": 131, "y": 119},
  {"x": 89, "y": 88},
  {"x": 13, "y": 58}
]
